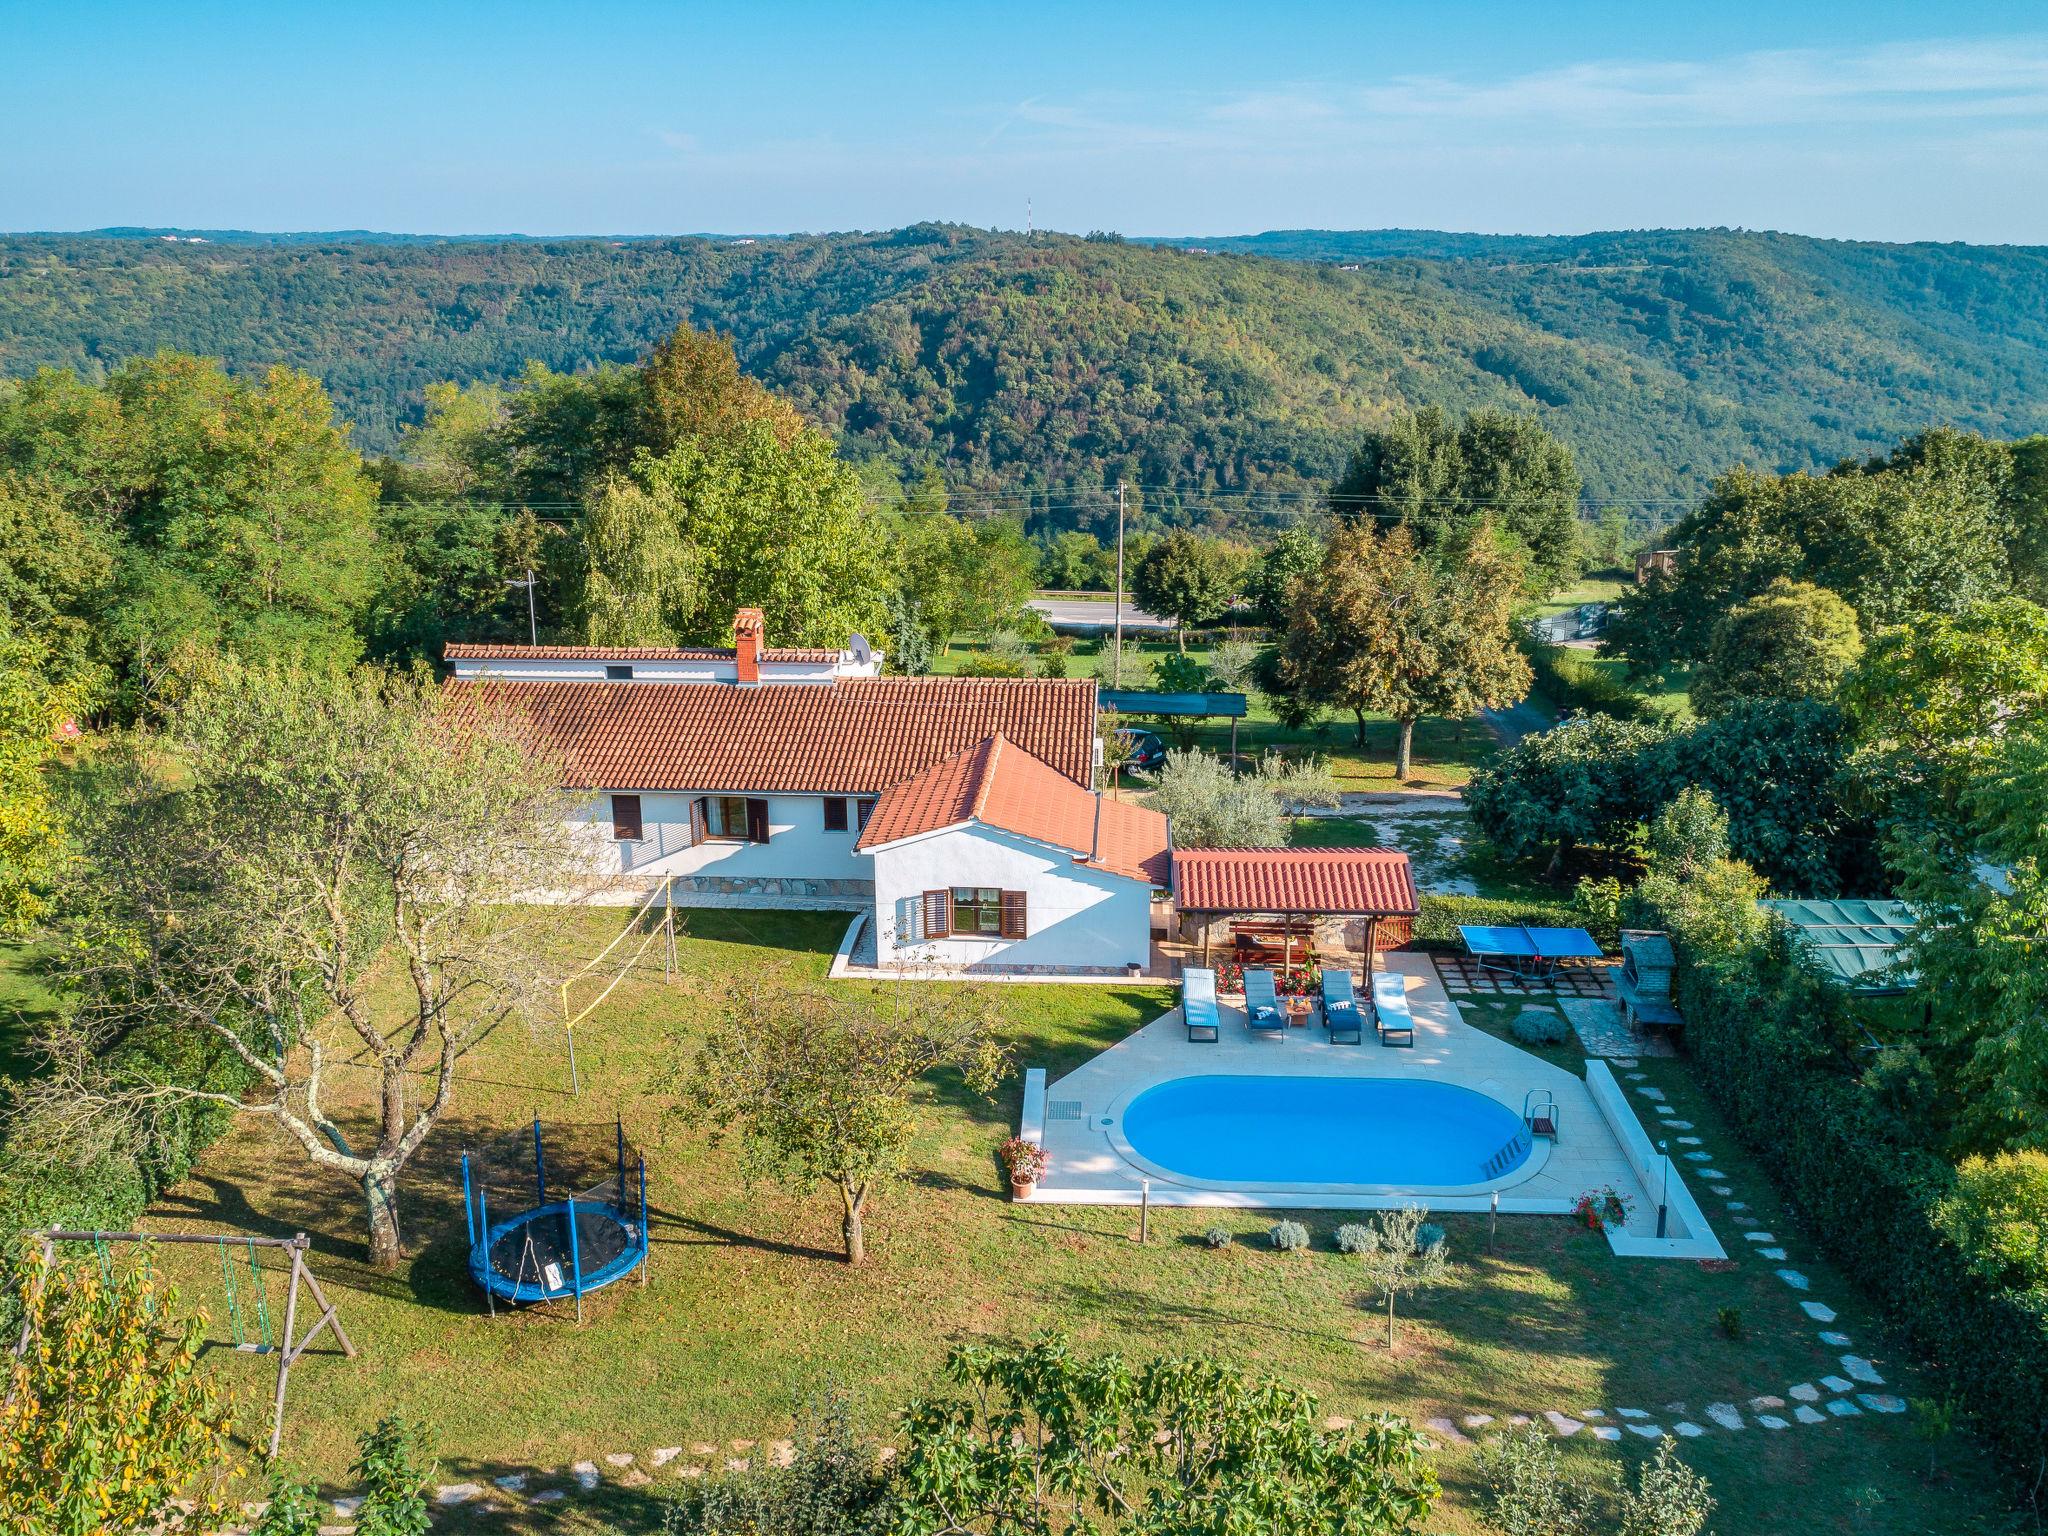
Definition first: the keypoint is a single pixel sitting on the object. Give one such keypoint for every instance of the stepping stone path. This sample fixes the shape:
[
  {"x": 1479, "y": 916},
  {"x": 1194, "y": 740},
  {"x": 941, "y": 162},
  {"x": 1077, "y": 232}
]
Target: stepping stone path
[
  {"x": 1772, "y": 1421},
  {"x": 1759, "y": 1237},
  {"x": 512, "y": 1482},
  {"x": 1654, "y": 1095},
  {"x": 620, "y": 1458},
  {"x": 1836, "y": 1384},
  {"x": 1758, "y": 1404},
  {"x": 1688, "y": 1141},
  {"x": 1678, "y": 1125},
  {"x": 1807, "y": 1414},
  {"x": 1478, "y": 1420},
  {"x": 1737, "y": 1205},
  {"x": 701, "y": 1448},
  {"x": 1712, "y": 1173},
  {"x": 1723, "y": 1189},
  {"x": 1637, "y": 1077},
  {"x": 1775, "y": 1255},
  {"x": 1606, "y": 1432},
  {"x": 1632, "y": 1413},
  {"x": 457, "y": 1493},
  {"x": 1793, "y": 1278},
  {"x": 1818, "y": 1311},
  {"x": 1842, "y": 1408},
  {"x": 1448, "y": 1430},
  {"x": 1725, "y": 1415},
  {"x": 585, "y": 1473},
  {"x": 1835, "y": 1340},
  {"x": 663, "y": 1455},
  {"x": 346, "y": 1508},
  {"x": 1881, "y": 1402},
  {"x": 691, "y": 1472},
  {"x": 1688, "y": 1431},
  {"x": 1648, "y": 1431},
  {"x": 1565, "y": 1427},
  {"x": 1862, "y": 1370},
  {"x": 1805, "y": 1392},
  {"x": 1699, "y": 1157},
  {"x": 549, "y": 1496}
]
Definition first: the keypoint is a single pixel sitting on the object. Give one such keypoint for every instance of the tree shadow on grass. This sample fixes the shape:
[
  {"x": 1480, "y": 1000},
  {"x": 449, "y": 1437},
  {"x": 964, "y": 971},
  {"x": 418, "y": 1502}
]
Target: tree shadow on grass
[{"x": 709, "y": 1234}]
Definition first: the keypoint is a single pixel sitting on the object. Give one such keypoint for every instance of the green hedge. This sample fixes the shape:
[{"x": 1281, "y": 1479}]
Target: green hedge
[
  {"x": 1442, "y": 915},
  {"x": 1865, "y": 1189}
]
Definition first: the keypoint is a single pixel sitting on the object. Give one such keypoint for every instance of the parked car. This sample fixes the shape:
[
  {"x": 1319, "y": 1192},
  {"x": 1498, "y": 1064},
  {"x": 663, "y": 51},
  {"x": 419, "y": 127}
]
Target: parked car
[{"x": 1147, "y": 751}]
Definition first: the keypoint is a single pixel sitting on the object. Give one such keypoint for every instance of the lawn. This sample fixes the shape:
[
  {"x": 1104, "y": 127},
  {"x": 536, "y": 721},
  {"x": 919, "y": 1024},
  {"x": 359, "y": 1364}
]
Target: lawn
[
  {"x": 747, "y": 1310},
  {"x": 1445, "y": 751},
  {"x": 27, "y": 1002}
]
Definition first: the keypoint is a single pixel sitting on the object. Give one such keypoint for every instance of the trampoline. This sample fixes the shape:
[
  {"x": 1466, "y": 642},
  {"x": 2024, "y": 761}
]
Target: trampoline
[{"x": 526, "y": 1247}]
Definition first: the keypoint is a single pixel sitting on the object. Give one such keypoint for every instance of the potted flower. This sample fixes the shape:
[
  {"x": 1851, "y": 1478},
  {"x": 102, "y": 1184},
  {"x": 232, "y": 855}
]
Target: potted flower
[
  {"x": 1025, "y": 1162},
  {"x": 1602, "y": 1208}
]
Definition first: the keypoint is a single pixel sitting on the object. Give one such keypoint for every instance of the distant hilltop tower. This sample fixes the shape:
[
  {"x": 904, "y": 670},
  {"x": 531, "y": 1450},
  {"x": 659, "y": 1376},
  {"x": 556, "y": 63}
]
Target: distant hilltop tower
[{"x": 1027, "y": 215}]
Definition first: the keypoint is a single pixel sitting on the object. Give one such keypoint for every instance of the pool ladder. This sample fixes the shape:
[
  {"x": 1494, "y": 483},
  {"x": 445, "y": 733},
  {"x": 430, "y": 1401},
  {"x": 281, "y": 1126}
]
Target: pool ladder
[{"x": 1507, "y": 1156}]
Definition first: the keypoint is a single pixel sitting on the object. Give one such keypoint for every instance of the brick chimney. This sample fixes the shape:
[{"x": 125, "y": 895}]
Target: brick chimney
[{"x": 748, "y": 626}]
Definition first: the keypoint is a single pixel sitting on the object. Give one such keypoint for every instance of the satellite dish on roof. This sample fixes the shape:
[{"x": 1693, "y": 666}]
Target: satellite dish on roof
[{"x": 858, "y": 645}]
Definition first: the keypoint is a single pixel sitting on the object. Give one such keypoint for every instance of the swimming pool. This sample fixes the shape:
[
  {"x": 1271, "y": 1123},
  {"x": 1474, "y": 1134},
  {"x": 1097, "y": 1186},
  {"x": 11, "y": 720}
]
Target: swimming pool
[{"x": 1363, "y": 1132}]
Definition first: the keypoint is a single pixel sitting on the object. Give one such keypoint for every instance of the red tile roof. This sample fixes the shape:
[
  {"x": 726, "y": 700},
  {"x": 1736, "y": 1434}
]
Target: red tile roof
[
  {"x": 855, "y": 735},
  {"x": 466, "y": 650},
  {"x": 998, "y": 784},
  {"x": 1322, "y": 880}
]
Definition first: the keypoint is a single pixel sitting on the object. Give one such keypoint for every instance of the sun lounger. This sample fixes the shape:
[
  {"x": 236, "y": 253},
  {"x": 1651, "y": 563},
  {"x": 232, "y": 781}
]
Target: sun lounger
[
  {"x": 1198, "y": 1003},
  {"x": 1261, "y": 1003},
  {"x": 1390, "y": 1009},
  {"x": 1340, "y": 1009}
]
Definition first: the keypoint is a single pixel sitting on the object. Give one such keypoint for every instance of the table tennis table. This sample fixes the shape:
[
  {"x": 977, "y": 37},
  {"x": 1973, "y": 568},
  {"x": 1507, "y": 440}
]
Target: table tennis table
[{"x": 1526, "y": 952}]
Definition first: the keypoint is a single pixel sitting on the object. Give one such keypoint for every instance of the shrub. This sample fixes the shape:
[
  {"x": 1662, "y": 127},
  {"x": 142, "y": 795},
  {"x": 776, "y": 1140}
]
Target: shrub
[
  {"x": 831, "y": 1486},
  {"x": 1729, "y": 1321},
  {"x": 1669, "y": 1498},
  {"x": 1998, "y": 1216},
  {"x": 293, "y": 1509},
  {"x": 394, "y": 1464},
  {"x": 1538, "y": 1026},
  {"x": 1427, "y": 1236},
  {"x": 1572, "y": 680},
  {"x": 1352, "y": 1238},
  {"x": 1216, "y": 1235},
  {"x": 1288, "y": 1236},
  {"x": 1524, "y": 1488}
]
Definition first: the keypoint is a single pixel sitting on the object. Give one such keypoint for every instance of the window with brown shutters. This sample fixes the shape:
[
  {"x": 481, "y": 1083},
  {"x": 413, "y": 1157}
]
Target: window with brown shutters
[
  {"x": 757, "y": 821},
  {"x": 835, "y": 815},
  {"x": 1013, "y": 914},
  {"x": 699, "y": 827},
  {"x": 938, "y": 914},
  {"x": 626, "y": 818}
]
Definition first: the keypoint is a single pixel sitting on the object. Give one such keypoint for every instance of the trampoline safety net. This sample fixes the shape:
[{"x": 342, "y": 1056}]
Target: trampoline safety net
[{"x": 554, "y": 1212}]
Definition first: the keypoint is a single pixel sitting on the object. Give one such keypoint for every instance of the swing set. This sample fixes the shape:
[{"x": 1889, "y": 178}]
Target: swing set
[{"x": 248, "y": 1301}]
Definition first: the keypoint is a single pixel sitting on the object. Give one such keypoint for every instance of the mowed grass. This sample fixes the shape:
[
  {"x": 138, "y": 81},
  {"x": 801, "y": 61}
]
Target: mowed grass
[
  {"x": 1445, "y": 751},
  {"x": 747, "y": 1308}
]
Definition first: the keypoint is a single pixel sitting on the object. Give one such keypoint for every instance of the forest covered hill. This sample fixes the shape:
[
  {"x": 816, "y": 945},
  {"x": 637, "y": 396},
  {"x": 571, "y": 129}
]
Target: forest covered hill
[{"x": 1053, "y": 363}]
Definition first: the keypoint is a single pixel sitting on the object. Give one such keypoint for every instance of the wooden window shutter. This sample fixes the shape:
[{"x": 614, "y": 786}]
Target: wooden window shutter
[
  {"x": 626, "y": 818},
  {"x": 835, "y": 815},
  {"x": 757, "y": 821},
  {"x": 697, "y": 821},
  {"x": 1013, "y": 914},
  {"x": 938, "y": 914}
]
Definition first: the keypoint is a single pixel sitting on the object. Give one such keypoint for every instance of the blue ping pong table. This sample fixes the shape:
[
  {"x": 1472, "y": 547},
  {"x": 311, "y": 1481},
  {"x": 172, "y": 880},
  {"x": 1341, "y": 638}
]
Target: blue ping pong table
[{"x": 1527, "y": 951}]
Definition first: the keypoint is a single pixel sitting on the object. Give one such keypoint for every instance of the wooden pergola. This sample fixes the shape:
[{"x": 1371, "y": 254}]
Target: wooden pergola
[{"x": 1292, "y": 887}]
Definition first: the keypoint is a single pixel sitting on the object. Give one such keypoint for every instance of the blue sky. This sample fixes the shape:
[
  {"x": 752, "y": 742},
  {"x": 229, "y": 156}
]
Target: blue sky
[{"x": 1868, "y": 120}]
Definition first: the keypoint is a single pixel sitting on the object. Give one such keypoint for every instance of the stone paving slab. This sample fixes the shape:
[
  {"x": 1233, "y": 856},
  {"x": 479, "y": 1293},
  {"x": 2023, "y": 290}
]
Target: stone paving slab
[
  {"x": 1806, "y": 1413},
  {"x": 1793, "y": 1278},
  {"x": 1820, "y": 1312}
]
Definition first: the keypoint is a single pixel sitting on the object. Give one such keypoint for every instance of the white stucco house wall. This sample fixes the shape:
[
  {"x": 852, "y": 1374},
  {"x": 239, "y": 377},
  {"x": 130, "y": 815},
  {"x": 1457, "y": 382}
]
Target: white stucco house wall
[{"x": 960, "y": 813}]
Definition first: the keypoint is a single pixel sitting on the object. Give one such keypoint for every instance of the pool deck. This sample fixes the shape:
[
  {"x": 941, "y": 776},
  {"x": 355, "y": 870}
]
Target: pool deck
[{"x": 1077, "y": 1115}]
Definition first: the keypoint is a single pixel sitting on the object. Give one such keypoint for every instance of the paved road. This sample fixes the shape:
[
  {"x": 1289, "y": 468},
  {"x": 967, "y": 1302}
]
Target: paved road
[{"x": 1093, "y": 613}]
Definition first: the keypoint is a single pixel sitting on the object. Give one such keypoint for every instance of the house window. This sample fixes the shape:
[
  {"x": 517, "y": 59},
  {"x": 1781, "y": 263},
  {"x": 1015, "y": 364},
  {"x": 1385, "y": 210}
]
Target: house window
[
  {"x": 618, "y": 672},
  {"x": 733, "y": 817},
  {"x": 977, "y": 909},
  {"x": 626, "y": 818},
  {"x": 865, "y": 809},
  {"x": 974, "y": 911},
  {"x": 835, "y": 815}
]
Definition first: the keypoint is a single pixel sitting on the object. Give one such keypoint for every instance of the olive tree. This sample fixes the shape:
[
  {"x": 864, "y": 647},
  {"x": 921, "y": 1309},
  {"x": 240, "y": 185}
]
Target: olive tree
[
  {"x": 320, "y": 891},
  {"x": 1400, "y": 1255}
]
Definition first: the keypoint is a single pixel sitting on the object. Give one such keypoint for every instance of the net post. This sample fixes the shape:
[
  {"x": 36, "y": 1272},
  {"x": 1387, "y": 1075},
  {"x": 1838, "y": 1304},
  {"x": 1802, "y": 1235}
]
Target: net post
[
  {"x": 646, "y": 1240},
  {"x": 540, "y": 1167},
  {"x": 575, "y": 1260}
]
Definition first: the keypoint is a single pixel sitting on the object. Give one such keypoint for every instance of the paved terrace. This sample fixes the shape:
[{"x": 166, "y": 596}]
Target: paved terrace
[{"x": 1087, "y": 1168}]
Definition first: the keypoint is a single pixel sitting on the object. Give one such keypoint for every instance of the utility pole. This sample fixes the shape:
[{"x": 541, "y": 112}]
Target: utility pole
[
  {"x": 1117, "y": 667},
  {"x": 532, "y": 623}
]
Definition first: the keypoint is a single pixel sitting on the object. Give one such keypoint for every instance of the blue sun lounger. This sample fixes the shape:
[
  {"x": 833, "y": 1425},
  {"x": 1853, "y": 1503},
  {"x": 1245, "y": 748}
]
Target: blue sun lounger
[
  {"x": 1198, "y": 1003},
  {"x": 1340, "y": 1009},
  {"x": 1261, "y": 1005},
  {"x": 1390, "y": 1007}
]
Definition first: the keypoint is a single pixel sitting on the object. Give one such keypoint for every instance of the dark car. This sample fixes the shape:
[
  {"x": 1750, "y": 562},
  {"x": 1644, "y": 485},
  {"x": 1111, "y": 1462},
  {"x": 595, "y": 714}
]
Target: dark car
[{"x": 1147, "y": 751}]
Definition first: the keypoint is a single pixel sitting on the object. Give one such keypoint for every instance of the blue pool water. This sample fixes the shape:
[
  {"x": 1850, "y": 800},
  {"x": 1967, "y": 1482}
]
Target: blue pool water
[{"x": 1325, "y": 1130}]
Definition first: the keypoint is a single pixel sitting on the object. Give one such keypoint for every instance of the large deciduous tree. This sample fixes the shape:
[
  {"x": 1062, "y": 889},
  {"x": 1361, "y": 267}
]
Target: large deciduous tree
[
  {"x": 1443, "y": 478},
  {"x": 1188, "y": 578},
  {"x": 1382, "y": 628},
  {"x": 33, "y": 711},
  {"x": 1580, "y": 784},
  {"x": 822, "y": 1088},
  {"x": 1037, "y": 1440},
  {"x": 1793, "y": 640},
  {"x": 321, "y": 892}
]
